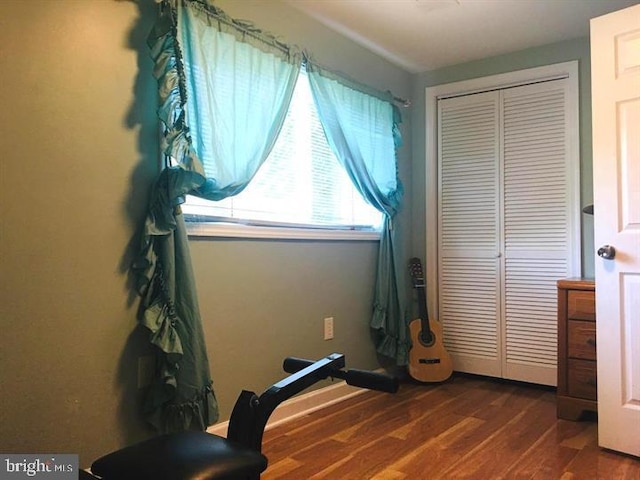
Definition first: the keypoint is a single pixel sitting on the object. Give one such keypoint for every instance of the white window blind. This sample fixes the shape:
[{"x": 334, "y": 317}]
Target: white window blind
[{"x": 301, "y": 184}]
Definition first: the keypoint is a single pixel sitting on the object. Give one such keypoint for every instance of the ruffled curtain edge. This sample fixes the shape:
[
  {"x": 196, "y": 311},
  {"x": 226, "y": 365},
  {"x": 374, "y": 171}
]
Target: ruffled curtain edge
[{"x": 157, "y": 313}]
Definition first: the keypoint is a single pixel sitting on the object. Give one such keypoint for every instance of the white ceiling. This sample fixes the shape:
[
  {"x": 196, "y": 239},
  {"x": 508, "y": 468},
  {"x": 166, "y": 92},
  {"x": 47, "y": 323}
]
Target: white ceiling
[{"x": 422, "y": 35}]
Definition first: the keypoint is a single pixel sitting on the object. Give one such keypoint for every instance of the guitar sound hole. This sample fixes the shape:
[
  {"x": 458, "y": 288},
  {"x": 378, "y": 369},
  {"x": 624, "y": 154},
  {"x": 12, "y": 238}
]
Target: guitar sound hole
[{"x": 427, "y": 339}]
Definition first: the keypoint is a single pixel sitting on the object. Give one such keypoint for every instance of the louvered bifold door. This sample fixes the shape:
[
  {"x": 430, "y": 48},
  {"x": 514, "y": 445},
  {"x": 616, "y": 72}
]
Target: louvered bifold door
[
  {"x": 536, "y": 226},
  {"x": 469, "y": 273}
]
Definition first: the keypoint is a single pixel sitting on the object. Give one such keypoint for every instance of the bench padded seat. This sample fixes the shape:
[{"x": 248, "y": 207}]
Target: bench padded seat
[{"x": 181, "y": 456}]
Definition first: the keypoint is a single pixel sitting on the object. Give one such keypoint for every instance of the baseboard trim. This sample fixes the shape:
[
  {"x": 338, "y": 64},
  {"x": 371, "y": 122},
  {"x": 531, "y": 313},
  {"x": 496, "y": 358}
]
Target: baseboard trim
[{"x": 301, "y": 405}]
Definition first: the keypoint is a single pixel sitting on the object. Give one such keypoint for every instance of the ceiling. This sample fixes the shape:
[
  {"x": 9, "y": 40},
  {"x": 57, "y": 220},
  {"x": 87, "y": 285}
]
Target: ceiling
[{"x": 423, "y": 35}]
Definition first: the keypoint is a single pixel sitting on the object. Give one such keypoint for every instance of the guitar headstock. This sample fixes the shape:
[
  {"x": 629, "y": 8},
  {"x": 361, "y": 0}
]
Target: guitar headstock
[{"x": 415, "y": 269}]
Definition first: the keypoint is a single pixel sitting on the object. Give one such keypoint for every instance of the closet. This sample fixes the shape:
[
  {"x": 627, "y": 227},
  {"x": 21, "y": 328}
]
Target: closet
[{"x": 507, "y": 203}]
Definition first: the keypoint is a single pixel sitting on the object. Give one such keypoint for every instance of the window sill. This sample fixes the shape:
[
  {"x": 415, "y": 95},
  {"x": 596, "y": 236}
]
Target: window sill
[{"x": 226, "y": 230}]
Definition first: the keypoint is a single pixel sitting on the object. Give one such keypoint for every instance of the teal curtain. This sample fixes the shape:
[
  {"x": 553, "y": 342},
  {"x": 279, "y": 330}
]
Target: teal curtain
[
  {"x": 181, "y": 395},
  {"x": 362, "y": 130},
  {"x": 238, "y": 85},
  {"x": 224, "y": 90}
]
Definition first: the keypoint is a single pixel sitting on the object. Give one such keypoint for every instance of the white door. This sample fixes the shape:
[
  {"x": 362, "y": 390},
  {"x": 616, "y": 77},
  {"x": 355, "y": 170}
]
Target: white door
[{"x": 615, "y": 67}]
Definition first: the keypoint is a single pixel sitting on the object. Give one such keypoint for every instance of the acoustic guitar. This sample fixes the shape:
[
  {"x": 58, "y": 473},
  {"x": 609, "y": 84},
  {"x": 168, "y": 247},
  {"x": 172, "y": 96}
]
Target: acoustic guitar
[{"x": 428, "y": 359}]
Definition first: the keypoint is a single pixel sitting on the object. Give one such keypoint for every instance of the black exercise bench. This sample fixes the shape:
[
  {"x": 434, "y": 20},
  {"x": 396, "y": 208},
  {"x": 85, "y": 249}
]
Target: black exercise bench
[{"x": 196, "y": 455}]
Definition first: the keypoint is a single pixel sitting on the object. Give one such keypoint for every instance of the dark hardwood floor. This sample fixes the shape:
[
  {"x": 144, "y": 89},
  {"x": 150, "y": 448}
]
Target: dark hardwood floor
[{"x": 468, "y": 427}]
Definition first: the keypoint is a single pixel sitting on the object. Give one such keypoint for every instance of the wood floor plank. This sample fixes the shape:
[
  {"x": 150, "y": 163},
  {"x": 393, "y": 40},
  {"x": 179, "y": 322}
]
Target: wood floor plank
[
  {"x": 468, "y": 427},
  {"x": 389, "y": 474},
  {"x": 596, "y": 463},
  {"x": 433, "y": 456},
  {"x": 494, "y": 455},
  {"x": 429, "y": 425},
  {"x": 308, "y": 429},
  {"x": 453, "y": 445},
  {"x": 577, "y": 434},
  {"x": 546, "y": 458},
  {"x": 328, "y": 450},
  {"x": 283, "y": 467},
  {"x": 367, "y": 462}
]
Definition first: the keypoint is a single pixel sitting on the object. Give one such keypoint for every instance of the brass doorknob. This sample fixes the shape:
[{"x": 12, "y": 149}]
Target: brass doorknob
[{"x": 607, "y": 252}]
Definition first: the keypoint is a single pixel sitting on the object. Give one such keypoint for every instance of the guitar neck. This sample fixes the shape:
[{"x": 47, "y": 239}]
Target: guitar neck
[{"x": 422, "y": 309}]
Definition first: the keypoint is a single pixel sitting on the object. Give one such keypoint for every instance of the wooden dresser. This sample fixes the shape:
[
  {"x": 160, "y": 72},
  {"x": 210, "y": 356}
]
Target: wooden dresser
[{"x": 577, "y": 376}]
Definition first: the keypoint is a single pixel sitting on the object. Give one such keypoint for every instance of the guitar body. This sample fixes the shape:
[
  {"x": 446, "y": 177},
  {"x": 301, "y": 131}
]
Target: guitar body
[
  {"x": 428, "y": 359},
  {"x": 428, "y": 362}
]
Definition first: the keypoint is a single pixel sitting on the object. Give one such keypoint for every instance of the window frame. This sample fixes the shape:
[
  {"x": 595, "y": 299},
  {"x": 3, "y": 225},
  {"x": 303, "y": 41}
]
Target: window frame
[
  {"x": 203, "y": 225},
  {"x": 200, "y": 228}
]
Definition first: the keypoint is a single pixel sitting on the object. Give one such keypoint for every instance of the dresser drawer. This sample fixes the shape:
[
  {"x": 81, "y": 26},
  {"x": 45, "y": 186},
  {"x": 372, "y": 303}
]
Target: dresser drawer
[
  {"x": 577, "y": 371},
  {"x": 581, "y": 305},
  {"x": 582, "y": 381},
  {"x": 582, "y": 339}
]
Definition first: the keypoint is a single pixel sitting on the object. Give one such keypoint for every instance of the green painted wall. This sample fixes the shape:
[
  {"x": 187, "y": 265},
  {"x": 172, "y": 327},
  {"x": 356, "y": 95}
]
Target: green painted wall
[
  {"x": 546, "y": 55},
  {"x": 79, "y": 142}
]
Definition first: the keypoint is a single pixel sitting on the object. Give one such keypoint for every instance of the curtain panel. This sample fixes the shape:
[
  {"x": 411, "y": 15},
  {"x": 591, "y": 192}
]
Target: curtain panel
[
  {"x": 362, "y": 130},
  {"x": 238, "y": 86},
  {"x": 213, "y": 142},
  {"x": 180, "y": 396}
]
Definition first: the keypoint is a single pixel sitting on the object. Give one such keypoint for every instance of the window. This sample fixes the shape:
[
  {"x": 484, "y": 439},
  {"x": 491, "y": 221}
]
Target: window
[{"x": 300, "y": 187}]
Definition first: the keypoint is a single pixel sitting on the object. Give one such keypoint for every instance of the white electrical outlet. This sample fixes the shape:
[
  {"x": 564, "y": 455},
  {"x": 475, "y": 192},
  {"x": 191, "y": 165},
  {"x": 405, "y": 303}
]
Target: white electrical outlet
[{"x": 328, "y": 328}]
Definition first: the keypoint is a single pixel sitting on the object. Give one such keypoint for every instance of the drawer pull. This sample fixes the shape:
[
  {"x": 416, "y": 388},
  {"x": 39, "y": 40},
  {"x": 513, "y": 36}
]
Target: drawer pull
[
  {"x": 591, "y": 342},
  {"x": 592, "y": 382}
]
